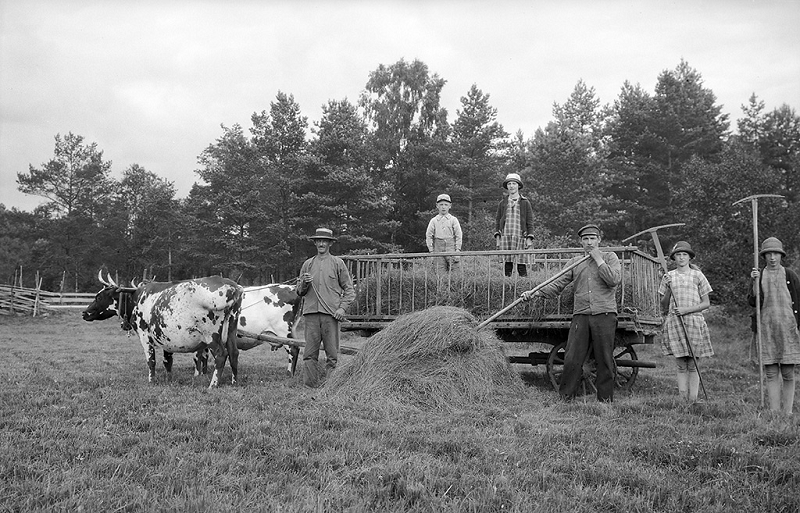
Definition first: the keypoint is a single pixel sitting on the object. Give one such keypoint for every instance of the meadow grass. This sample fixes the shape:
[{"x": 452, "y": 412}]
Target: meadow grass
[{"x": 82, "y": 430}]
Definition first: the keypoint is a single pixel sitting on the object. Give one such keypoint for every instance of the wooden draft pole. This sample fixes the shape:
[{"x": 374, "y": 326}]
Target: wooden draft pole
[
  {"x": 663, "y": 261},
  {"x": 754, "y": 202}
]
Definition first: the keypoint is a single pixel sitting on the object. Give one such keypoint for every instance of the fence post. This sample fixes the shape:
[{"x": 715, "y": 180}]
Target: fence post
[{"x": 36, "y": 297}]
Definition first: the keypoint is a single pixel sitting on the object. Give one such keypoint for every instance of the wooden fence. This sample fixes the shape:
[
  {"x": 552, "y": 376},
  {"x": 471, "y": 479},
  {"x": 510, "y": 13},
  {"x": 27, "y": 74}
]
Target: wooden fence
[{"x": 27, "y": 301}]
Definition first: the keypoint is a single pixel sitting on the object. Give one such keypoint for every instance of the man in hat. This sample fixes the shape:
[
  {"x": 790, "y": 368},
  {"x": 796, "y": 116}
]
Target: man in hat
[
  {"x": 594, "y": 315},
  {"x": 327, "y": 279},
  {"x": 444, "y": 234}
]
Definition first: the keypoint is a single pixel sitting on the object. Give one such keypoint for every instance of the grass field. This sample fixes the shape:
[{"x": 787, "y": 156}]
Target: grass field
[{"x": 82, "y": 430}]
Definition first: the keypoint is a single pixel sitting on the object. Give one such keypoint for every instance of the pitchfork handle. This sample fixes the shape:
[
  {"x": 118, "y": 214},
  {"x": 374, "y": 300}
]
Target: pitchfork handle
[{"x": 534, "y": 289}]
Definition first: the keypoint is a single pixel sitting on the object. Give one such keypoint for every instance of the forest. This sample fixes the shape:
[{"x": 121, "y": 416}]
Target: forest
[{"x": 371, "y": 169}]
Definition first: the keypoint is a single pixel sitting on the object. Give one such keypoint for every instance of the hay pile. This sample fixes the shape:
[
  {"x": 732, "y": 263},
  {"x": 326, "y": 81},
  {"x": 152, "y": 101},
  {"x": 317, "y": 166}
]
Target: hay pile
[{"x": 432, "y": 359}]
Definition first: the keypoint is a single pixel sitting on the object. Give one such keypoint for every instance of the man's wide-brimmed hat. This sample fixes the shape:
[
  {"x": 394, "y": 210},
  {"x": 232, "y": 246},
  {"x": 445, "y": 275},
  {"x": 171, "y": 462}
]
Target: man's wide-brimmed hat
[
  {"x": 443, "y": 197},
  {"x": 589, "y": 229},
  {"x": 772, "y": 245},
  {"x": 323, "y": 233},
  {"x": 681, "y": 245},
  {"x": 512, "y": 177}
]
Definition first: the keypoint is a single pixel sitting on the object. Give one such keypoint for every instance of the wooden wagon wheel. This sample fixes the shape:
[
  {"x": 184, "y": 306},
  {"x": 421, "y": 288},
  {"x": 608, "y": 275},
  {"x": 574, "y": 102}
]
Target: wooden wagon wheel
[{"x": 625, "y": 376}]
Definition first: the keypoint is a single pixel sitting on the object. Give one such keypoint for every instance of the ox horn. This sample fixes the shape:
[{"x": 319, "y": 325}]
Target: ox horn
[
  {"x": 111, "y": 280},
  {"x": 100, "y": 277}
]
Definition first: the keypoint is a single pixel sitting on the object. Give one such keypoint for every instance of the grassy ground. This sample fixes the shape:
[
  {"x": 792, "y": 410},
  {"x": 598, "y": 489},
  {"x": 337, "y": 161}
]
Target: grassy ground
[{"x": 82, "y": 430}]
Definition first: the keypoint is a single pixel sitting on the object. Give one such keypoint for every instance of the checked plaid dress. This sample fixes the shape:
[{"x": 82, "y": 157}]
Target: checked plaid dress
[{"x": 687, "y": 289}]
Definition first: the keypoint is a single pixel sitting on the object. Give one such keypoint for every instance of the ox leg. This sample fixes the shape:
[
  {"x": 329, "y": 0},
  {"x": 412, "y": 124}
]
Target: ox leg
[
  {"x": 168, "y": 364},
  {"x": 220, "y": 355},
  {"x": 294, "y": 352},
  {"x": 201, "y": 361},
  {"x": 150, "y": 356},
  {"x": 233, "y": 352}
]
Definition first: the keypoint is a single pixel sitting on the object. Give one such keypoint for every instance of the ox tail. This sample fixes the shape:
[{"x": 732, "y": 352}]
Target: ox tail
[
  {"x": 297, "y": 313},
  {"x": 230, "y": 329}
]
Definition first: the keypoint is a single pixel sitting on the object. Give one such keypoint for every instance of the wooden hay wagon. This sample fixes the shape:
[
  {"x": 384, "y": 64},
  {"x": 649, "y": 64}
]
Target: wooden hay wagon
[{"x": 390, "y": 285}]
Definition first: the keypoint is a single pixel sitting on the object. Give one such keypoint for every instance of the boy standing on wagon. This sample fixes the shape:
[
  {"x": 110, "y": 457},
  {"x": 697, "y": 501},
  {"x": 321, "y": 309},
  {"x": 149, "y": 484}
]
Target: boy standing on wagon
[
  {"x": 684, "y": 294},
  {"x": 444, "y": 234}
]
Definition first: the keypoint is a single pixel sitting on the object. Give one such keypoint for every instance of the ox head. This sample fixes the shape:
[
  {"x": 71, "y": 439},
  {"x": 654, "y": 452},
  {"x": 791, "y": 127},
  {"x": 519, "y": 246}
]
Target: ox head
[{"x": 110, "y": 301}]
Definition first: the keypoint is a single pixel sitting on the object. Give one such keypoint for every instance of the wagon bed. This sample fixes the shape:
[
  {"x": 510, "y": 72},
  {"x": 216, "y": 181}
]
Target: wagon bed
[{"x": 390, "y": 285}]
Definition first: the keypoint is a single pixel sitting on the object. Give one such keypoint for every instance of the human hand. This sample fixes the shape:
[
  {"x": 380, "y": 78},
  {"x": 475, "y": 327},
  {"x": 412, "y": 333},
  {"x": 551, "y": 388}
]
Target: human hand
[
  {"x": 529, "y": 294},
  {"x": 597, "y": 255},
  {"x": 339, "y": 315},
  {"x": 755, "y": 273},
  {"x": 528, "y": 243},
  {"x": 497, "y": 242},
  {"x": 306, "y": 278},
  {"x": 667, "y": 279}
]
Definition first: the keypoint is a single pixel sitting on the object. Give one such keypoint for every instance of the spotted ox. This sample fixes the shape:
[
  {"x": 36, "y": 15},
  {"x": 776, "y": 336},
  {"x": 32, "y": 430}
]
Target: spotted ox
[
  {"x": 177, "y": 317},
  {"x": 271, "y": 310}
]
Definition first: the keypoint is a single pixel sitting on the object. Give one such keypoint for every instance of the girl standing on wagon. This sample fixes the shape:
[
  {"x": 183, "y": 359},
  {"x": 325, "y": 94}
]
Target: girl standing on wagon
[
  {"x": 514, "y": 225},
  {"x": 684, "y": 293},
  {"x": 780, "y": 322}
]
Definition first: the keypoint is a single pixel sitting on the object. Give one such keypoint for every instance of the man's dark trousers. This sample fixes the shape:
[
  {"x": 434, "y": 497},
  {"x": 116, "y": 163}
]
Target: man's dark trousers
[{"x": 600, "y": 329}]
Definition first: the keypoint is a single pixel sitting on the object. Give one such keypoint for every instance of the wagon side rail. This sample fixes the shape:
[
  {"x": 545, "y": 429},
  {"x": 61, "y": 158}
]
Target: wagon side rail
[{"x": 390, "y": 285}]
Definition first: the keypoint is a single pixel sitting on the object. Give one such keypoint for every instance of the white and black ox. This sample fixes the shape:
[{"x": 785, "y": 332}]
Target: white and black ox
[
  {"x": 177, "y": 317},
  {"x": 271, "y": 310}
]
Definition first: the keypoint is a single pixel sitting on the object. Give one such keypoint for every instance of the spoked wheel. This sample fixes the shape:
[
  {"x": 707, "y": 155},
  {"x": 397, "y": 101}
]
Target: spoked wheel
[
  {"x": 555, "y": 367},
  {"x": 625, "y": 375}
]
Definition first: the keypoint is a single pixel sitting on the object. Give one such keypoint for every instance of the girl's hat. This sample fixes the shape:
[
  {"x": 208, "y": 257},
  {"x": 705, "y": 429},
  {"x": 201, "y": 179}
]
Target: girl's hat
[
  {"x": 772, "y": 245},
  {"x": 323, "y": 233},
  {"x": 679, "y": 246},
  {"x": 512, "y": 177}
]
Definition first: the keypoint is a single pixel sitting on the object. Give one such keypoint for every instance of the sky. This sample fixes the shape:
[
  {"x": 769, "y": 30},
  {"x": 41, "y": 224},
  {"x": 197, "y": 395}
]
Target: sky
[{"x": 151, "y": 82}]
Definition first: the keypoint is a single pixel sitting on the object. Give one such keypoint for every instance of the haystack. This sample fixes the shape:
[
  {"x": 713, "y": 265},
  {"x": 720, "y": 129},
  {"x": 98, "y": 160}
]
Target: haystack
[{"x": 433, "y": 359}]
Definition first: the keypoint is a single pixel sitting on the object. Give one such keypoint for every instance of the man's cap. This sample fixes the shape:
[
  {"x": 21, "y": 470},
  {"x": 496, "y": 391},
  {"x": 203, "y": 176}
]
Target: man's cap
[
  {"x": 323, "y": 233},
  {"x": 512, "y": 177},
  {"x": 443, "y": 197},
  {"x": 681, "y": 245},
  {"x": 589, "y": 229},
  {"x": 772, "y": 245}
]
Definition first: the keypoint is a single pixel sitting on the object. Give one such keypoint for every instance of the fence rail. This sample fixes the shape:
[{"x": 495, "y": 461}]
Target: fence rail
[{"x": 27, "y": 301}]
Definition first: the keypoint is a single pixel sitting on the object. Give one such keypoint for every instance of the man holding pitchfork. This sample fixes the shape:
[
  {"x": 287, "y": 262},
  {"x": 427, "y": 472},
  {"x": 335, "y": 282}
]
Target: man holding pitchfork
[{"x": 594, "y": 315}]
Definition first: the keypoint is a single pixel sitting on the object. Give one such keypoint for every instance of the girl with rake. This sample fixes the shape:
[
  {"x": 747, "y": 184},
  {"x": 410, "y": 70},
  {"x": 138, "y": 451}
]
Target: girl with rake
[
  {"x": 684, "y": 294},
  {"x": 780, "y": 322}
]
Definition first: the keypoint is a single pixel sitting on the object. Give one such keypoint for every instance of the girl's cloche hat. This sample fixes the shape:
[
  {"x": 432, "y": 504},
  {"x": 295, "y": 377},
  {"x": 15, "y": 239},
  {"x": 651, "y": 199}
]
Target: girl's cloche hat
[
  {"x": 772, "y": 245},
  {"x": 681, "y": 245},
  {"x": 512, "y": 177}
]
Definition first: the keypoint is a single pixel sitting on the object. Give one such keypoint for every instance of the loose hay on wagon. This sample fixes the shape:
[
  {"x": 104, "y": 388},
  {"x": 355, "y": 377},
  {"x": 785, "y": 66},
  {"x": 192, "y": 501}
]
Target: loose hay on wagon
[{"x": 391, "y": 285}]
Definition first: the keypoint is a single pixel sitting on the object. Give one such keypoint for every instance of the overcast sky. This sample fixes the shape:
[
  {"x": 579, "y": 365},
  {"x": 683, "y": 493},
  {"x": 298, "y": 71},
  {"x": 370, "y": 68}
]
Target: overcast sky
[{"x": 151, "y": 81}]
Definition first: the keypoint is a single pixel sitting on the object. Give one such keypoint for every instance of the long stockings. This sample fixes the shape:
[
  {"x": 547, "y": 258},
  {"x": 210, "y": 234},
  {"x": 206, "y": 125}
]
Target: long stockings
[
  {"x": 688, "y": 378},
  {"x": 780, "y": 386}
]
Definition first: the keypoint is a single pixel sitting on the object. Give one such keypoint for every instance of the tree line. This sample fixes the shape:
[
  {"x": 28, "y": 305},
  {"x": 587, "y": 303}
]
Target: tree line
[{"x": 371, "y": 169}]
